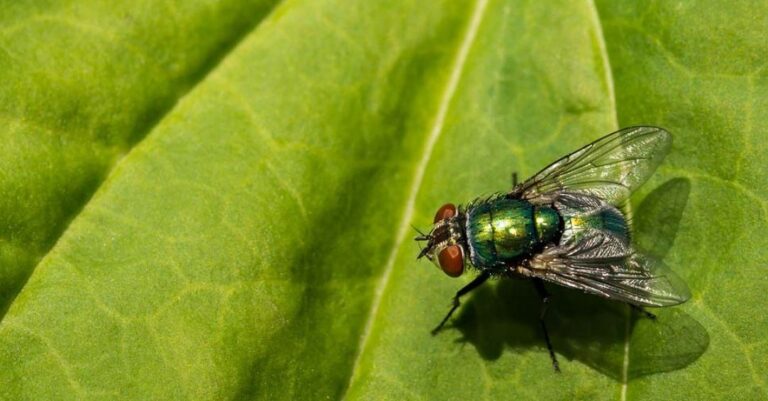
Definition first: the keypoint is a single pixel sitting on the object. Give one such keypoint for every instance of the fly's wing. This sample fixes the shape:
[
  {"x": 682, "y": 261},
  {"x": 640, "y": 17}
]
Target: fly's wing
[
  {"x": 609, "y": 168},
  {"x": 603, "y": 264}
]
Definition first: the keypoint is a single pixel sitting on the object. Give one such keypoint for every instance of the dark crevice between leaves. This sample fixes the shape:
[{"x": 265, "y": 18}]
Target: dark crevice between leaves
[
  {"x": 153, "y": 117},
  {"x": 145, "y": 124},
  {"x": 587, "y": 328}
]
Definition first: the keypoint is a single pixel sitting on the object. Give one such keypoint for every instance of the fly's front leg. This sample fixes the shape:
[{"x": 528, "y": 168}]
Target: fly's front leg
[
  {"x": 544, "y": 304},
  {"x": 456, "y": 303},
  {"x": 514, "y": 179}
]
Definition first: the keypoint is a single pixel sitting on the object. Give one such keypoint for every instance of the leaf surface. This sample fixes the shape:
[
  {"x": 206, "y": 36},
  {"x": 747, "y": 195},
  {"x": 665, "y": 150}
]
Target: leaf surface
[
  {"x": 83, "y": 81},
  {"x": 257, "y": 243}
]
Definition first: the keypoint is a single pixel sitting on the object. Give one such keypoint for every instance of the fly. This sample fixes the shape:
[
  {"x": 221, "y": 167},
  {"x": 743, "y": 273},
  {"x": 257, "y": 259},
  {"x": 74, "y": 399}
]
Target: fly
[{"x": 562, "y": 226}]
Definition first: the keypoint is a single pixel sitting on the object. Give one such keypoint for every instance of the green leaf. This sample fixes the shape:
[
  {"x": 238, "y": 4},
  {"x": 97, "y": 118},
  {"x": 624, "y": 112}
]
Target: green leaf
[
  {"x": 83, "y": 81},
  {"x": 257, "y": 243}
]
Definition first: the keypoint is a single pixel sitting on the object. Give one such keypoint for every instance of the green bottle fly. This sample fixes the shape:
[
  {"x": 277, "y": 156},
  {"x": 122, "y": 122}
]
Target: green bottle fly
[{"x": 563, "y": 226}]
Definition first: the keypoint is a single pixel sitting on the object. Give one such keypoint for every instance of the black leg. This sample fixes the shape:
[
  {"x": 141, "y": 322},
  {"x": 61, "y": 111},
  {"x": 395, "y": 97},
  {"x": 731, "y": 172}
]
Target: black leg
[
  {"x": 544, "y": 304},
  {"x": 463, "y": 291},
  {"x": 644, "y": 312},
  {"x": 514, "y": 179}
]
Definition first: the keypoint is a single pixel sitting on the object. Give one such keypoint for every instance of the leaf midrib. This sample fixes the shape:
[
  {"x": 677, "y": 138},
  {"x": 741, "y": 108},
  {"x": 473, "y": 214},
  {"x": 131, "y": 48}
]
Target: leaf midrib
[
  {"x": 436, "y": 129},
  {"x": 609, "y": 81}
]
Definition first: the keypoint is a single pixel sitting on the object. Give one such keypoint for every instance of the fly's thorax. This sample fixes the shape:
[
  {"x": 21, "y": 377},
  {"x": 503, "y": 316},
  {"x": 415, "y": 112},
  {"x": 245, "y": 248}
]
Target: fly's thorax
[{"x": 500, "y": 231}]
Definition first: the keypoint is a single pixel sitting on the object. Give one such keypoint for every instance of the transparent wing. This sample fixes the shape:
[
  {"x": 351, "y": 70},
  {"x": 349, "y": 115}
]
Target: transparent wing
[
  {"x": 604, "y": 265},
  {"x": 609, "y": 168}
]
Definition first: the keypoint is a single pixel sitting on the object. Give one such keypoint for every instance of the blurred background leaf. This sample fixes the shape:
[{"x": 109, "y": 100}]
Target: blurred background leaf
[{"x": 255, "y": 241}]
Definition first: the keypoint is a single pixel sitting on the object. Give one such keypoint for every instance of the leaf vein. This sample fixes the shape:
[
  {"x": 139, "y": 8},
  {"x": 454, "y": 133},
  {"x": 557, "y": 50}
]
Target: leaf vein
[{"x": 456, "y": 71}]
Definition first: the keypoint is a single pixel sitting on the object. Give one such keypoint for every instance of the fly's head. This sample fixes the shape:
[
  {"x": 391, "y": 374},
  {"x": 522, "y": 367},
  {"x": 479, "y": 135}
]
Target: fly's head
[{"x": 444, "y": 242}]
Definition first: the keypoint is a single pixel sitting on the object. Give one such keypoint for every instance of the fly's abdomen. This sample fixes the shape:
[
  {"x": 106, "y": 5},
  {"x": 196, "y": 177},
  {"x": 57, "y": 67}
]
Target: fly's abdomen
[
  {"x": 606, "y": 219},
  {"x": 504, "y": 230}
]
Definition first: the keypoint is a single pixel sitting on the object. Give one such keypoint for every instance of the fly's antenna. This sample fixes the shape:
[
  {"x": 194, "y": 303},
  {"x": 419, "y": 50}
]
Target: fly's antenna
[{"x": 422, "y": 236}]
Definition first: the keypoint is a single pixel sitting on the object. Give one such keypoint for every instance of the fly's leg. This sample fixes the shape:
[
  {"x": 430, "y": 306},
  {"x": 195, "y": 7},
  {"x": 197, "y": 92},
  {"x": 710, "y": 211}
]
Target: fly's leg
[
  {"x": 467, "y": 288},
  {"x": 514, "y": 179},
  {"x": 642, "y": 311},
  {"x": 544, "y": 304}
]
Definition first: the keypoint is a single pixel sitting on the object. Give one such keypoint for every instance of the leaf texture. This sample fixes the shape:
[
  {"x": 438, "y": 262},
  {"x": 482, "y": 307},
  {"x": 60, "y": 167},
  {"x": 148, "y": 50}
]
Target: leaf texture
[{"x": 255, "y": 241}]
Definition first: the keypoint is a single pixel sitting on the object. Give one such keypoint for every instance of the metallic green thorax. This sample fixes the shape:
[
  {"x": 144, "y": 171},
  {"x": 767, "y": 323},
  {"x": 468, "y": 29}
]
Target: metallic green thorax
[{"x": 501, "y": 230}]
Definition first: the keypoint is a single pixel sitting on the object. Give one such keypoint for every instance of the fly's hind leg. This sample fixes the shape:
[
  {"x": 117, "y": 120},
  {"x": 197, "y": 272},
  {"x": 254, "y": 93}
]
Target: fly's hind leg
[
  {"x": 463, "y": 291},
  {"x": 641, "y": 310},
  {"x": 544, "y": 304}
]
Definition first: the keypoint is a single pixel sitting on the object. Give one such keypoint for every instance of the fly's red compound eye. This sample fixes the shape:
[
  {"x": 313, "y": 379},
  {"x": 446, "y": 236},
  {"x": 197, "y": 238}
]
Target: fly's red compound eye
[
  {"x": 451, "y": 260},
  {"x": 446, "y": 211}
]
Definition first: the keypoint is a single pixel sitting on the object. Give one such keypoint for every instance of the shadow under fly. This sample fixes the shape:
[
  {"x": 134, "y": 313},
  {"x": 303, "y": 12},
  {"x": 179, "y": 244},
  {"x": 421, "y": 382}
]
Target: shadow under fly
[{"x": 589, "y": 329}]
